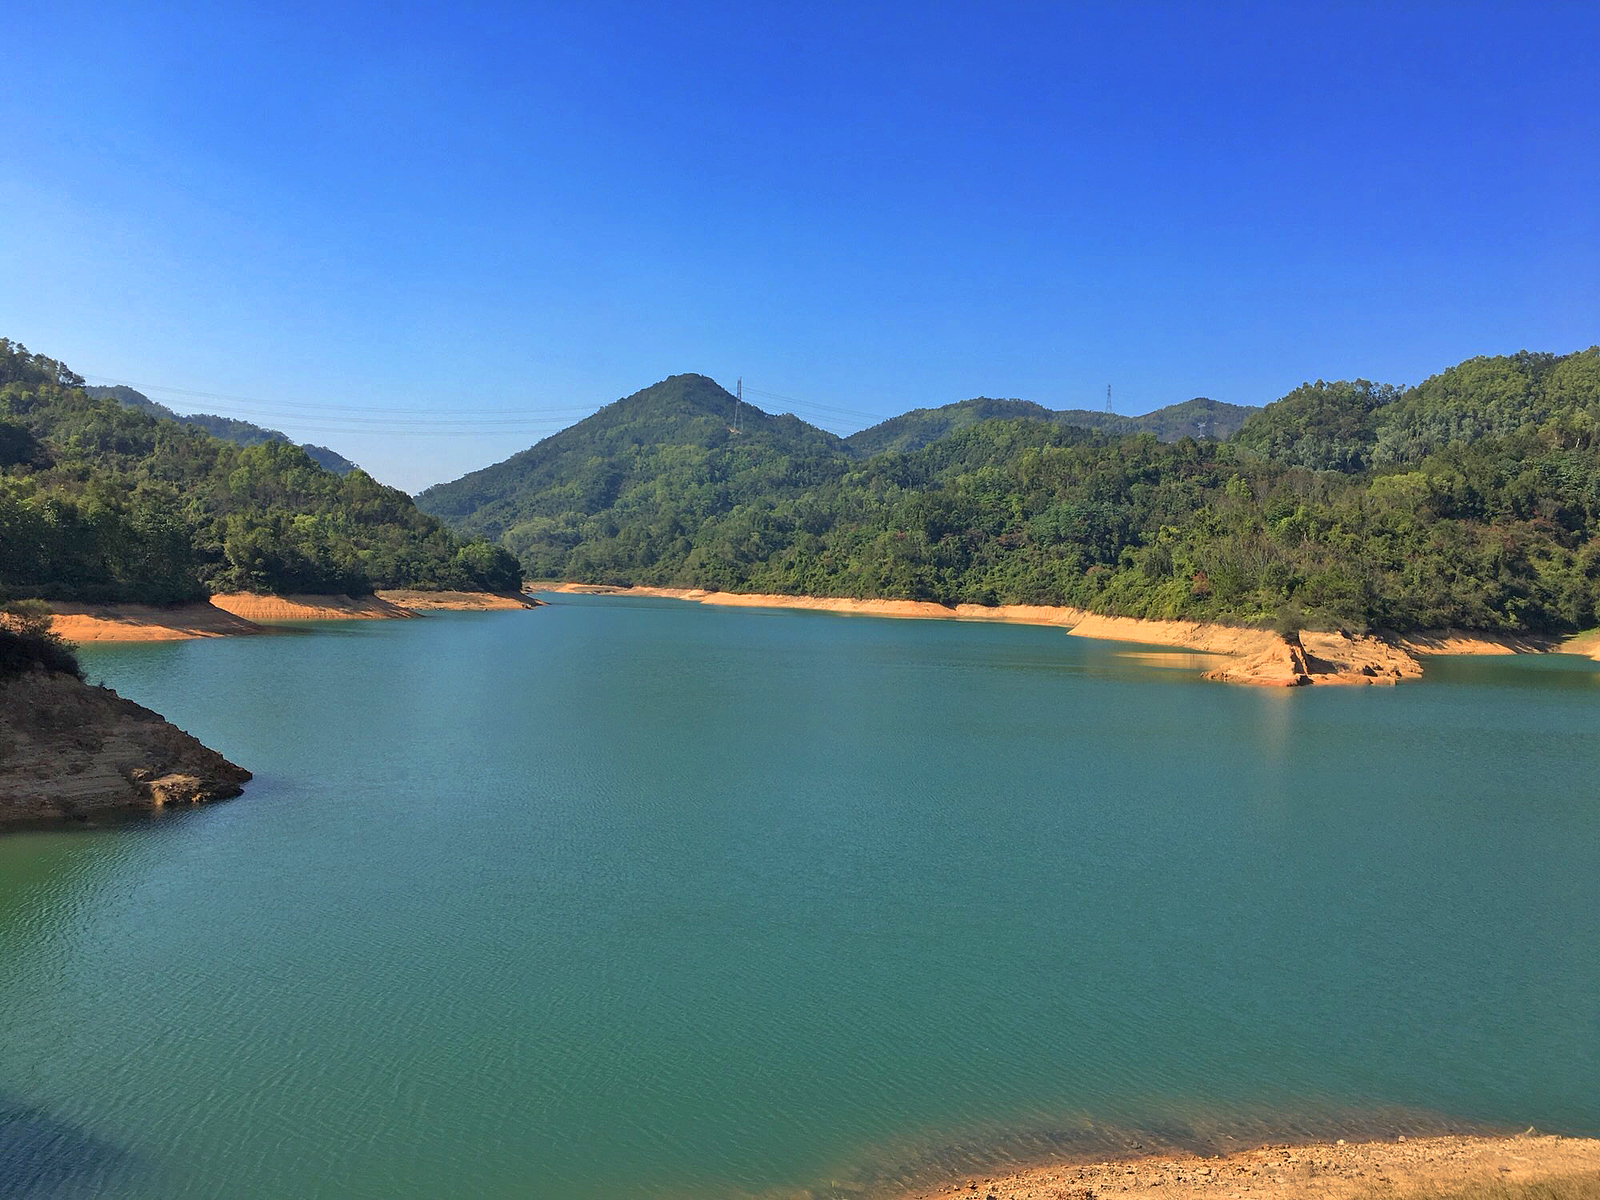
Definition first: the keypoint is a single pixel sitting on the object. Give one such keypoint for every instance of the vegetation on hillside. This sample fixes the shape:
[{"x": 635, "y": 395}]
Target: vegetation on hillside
[
  {"x": 26, "y": 642},
  {"x": 99, "y": 502},
  {"x": 229, "y": 429},
  {"x": 1197, "y": 418},
  {"x": 1472, "y": 500},
  {"x": 660, "y": 463}
]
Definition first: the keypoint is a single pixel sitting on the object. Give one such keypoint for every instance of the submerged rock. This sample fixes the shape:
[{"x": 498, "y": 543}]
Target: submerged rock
[{"x": 69, "y": 751}]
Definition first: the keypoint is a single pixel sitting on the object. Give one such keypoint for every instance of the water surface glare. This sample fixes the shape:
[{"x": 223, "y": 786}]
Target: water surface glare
[{"x": 628, "y": 898}]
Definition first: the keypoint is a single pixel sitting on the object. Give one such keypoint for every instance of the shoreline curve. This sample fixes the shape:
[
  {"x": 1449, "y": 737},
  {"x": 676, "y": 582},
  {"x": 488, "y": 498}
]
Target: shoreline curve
[
  {"x": 238, "y": 614},
  {"x": 1370, "y": 1170},
  {"x": 1259, "y": 657}
]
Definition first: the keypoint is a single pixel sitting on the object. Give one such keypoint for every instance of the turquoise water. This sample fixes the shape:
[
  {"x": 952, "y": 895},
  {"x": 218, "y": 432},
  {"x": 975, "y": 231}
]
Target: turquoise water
[{"x": 628, "y": 898}]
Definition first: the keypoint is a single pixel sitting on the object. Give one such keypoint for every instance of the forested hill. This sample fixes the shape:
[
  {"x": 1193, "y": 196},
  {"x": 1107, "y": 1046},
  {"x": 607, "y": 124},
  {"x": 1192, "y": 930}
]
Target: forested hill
[
  {"x": 1197, "y": 418},
  {"x": 229, "y": 429},
  {"x": 1471, "y": 500},
  {"x": 99, "y": 501},
  {"x": 661, "y": 461}
]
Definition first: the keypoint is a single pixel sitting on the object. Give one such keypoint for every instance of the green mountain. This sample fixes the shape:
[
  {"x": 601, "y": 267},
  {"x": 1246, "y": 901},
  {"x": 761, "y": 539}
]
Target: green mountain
[
  {"x": 100, "y": 501},
  {"x": 910, "y": 431},
  {"x": 635, "y": 482},
  {"x": 1471, "y": 500},
  {"x": 229, "y": 429}
]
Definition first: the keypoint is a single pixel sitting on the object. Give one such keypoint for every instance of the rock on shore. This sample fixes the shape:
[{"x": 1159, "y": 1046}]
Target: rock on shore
[
  {"x": 69, "y": 751},
  {"x": 1295, "y": 660}
]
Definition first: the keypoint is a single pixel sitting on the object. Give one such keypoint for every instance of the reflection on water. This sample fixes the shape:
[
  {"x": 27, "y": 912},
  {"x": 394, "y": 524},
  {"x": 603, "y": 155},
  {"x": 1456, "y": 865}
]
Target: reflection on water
[
  {"x": 42, "y": 1155},
  {"x": 1176, "y": 659}
]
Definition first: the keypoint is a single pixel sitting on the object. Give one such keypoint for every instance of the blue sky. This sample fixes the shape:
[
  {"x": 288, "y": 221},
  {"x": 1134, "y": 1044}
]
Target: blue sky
[{"x": 429, "y": 235}]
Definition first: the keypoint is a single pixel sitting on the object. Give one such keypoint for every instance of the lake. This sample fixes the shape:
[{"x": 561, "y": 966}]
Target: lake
[{"x": 640, "y": 898}]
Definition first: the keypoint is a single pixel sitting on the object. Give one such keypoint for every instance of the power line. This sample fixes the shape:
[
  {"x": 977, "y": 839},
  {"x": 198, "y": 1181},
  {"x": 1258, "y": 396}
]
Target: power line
[
  {"x": 813, "y": 404},
  {"x": 321, "y": 407},
  {"x": 332, "y": 420}
]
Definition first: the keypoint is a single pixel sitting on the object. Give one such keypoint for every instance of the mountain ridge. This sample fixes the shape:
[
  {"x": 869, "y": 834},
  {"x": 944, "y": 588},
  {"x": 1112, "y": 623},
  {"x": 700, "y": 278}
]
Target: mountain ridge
[
  {"x": 1471, "y": 500},
  {"x": 230, "y": 429},
  {"x": 102, "y": 502},
  {"x": 1199, "y": 417}
]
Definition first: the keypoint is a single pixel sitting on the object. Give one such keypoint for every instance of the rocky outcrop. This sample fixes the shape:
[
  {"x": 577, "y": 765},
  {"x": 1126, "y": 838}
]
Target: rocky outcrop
[
  {"x": 1300, "y": 659},
  {"x": 69, "y": 751}
]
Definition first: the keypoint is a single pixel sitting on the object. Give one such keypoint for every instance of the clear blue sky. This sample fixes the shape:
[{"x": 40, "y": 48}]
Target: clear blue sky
[{"x": 436, "y": 219}]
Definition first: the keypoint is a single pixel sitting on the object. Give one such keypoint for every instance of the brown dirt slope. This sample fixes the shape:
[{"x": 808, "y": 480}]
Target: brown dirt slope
[
  {"x": 71, "y": 751},
  {"x": 1494, "y": 1168},
  {"x": 246, "y": 612},
  {"x": 254, "y": 607},
  {"x": 144, "y": 622},
  {"x": 454, "y": 601}
]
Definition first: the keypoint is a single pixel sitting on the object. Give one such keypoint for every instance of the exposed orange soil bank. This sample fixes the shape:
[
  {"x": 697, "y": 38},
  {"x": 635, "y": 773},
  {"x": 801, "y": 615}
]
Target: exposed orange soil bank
[
  {"x": 1253, "y": 656},
  {"x": 1586, "y": 644},
  {"x": 454, "y": 601},
  {"x": 253, "y": 607},
  {"x": 1321, "y": 1171},
  {"x": 144, "y": 622},
  {"x": 245, "y": 612}
]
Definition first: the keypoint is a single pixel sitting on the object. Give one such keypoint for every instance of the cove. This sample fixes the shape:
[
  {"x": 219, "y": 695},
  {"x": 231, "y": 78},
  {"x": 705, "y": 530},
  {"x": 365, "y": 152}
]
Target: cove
[{"x": 630, "y": 898}]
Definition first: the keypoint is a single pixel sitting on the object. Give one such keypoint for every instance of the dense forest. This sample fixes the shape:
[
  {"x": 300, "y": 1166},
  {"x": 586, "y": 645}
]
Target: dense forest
[
  {"x": 229, "y": 429},
  {"x": 1471, "y": 500},
  {"x": 1197, "y": 418},
  {"x": 100, "y": 501}
]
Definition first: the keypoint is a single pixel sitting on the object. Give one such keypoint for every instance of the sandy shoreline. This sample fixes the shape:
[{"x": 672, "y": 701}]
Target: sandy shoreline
[
  {"x": 1316, "y": 1171},
  {"x": 243, "y": 613},
  {"x": 416, "y": 601},
  {"x": 1251, "y": 656}
]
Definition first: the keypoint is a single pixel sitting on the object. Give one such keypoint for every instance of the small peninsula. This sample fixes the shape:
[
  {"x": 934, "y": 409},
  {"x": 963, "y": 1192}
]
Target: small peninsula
[{"x": 73, "y": 752}]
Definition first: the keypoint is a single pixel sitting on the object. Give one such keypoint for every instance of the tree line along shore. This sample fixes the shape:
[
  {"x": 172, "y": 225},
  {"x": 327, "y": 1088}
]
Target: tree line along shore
[
  {"x": 121, "y": 521},
  {"x": 1470, "y": 501},
  {"x": 105, "y": 503}
]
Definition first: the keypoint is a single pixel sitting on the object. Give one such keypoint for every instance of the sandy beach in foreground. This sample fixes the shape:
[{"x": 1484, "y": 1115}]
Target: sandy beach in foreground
[
  {"x": 241, "y": 613},
  {"x": 1426, "y": 1166},
  {"x": 1251, "y": 656}
]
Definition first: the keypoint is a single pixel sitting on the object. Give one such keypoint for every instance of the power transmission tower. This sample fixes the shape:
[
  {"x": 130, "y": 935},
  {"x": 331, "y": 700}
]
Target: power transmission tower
[
  {"x": 738, "y": 406},
  {"x": 1108, "y": 397}
]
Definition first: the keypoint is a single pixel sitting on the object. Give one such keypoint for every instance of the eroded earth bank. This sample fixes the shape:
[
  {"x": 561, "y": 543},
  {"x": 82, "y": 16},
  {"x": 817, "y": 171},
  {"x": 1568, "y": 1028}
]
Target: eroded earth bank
[{"x": 70, "y": 751}]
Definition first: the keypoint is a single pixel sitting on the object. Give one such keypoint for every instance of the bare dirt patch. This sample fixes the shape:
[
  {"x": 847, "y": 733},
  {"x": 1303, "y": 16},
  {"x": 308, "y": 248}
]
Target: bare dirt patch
[{"x": 1476, "y": 1168}]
